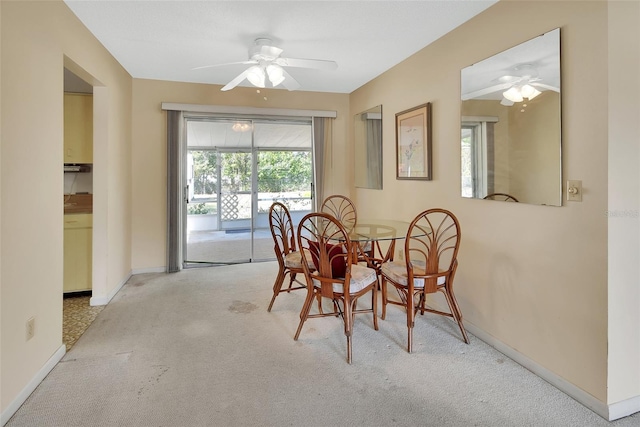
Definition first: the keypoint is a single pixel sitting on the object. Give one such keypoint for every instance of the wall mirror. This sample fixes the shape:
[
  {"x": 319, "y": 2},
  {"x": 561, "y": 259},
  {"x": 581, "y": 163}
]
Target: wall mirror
[
  {"x": 510, "y": 124},
  {"x": 368, "y": 148}
]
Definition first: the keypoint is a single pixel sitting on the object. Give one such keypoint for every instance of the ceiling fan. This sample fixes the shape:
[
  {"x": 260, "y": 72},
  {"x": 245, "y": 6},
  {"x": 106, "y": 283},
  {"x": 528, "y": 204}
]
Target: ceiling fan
[
  {"x": 522, "y": 83},
  {"x": 266, "y": 63}
]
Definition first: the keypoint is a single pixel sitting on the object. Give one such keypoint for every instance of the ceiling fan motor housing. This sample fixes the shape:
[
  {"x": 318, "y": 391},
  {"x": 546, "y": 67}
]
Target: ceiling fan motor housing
[{"x": 263, "y": 51}]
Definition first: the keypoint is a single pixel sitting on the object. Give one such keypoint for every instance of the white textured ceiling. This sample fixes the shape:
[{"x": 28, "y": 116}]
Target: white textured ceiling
[{"x": 165, "y": 40}]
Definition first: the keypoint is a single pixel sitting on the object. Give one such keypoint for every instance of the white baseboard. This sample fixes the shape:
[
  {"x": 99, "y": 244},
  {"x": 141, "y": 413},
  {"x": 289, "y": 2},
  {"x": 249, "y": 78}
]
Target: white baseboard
[
  {"x": 624, "y": 408},
  {"x": 104, "y": 300},
  {"x": 35, "y": 381},
  {"x": 150, "y": 270},
  {"x": 608, "y": 412}
]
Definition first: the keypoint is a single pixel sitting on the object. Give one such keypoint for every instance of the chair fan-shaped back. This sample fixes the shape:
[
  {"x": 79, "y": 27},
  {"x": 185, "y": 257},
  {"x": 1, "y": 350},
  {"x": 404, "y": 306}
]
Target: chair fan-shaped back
[
  {"x": 282, "y": 228},
  {"x": 328, "y": 242},
  {"x": 433, "y": 243},
  {"x": 501, "y": 196},
  {"x": 343, "y": 209}
]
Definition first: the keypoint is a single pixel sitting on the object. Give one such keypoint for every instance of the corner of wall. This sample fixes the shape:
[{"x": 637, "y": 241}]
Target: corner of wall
[{"x": 105, "y": 299}]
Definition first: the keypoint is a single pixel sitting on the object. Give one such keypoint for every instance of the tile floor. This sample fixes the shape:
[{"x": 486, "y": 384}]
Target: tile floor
[{"x": 77, "y": 315}]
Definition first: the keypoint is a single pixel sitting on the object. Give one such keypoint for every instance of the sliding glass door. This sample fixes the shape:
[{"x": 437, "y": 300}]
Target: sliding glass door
[{"x": 235, "y": 170}]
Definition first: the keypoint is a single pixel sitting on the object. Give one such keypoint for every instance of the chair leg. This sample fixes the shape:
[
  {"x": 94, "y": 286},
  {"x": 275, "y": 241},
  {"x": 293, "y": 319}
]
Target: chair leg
[
  {"x": 422, "y": 303},
  {"x": 411, "y": 314},
  {"x": 292, "y": 278},
  {"x": 384, "y": 298},
  {"x": 374, "y": 305},
  {"x": 457, "y": 314},
  {"x": 336, "y": 308},
  {"x": 304, "y": 313},
  {"x": 273, "y": 299},
  {"x": 276, "y": 287},
  {"x": 319, "y": 298},
  {"x": 348, "y": 326}
]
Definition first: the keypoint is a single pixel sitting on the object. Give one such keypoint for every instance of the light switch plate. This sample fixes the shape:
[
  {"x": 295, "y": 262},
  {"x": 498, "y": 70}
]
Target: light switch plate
[{"x": 574, "y": 191}]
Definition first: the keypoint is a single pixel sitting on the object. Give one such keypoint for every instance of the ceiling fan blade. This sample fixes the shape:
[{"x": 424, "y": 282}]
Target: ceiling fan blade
[
  {"x": 544, "y": 86},
  {"x": 236, "y": 81},
  {"x": 486, "y": 91},
  {"x": 289, "y": 82},
  {"x": 251, "y": 61},
  {"x": 318, "y": 64}
]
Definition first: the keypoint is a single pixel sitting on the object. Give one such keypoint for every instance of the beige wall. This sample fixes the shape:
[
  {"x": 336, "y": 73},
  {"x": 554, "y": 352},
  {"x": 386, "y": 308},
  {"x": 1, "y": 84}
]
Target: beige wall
[
  {"x": 533, "y": 277},
  {"x": 38, "y": 40},
  {"x": 624, "y": 200},
  {"x": 149, "y": 149}
]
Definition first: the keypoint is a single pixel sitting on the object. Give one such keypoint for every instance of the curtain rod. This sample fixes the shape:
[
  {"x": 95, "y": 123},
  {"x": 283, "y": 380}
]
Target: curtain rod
[{"x": 198, "y": 108}]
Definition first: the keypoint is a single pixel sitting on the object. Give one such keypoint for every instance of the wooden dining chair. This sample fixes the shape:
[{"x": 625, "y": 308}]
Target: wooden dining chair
[
  {"x": 289, "y": 259},
  {"x": 324, "y": 239},
  {"x": 344, "y": 210},
  {"x": 501, "y": 196},
  {"x": 430, "y": 252}
]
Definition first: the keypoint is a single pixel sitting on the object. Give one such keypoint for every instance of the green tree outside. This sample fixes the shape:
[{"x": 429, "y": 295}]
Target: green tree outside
[
  {"x": 278, "y": 172},
  {"x": 284, "y": 171}
]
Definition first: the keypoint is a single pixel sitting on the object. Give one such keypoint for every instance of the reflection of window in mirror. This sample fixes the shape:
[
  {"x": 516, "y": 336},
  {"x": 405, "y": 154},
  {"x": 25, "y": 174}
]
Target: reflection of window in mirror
[
  {"x": 368, "y": 148},
  {"x": 510, "y": 123},
  {"x": 477, "y": 154}
]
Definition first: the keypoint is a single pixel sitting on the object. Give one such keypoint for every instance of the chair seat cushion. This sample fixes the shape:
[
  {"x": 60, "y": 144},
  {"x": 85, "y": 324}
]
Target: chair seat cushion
[
  {"x": 397, "y": 272},
  {"x": 361, "y": 277},
  {"x": 294, "y": 260}
]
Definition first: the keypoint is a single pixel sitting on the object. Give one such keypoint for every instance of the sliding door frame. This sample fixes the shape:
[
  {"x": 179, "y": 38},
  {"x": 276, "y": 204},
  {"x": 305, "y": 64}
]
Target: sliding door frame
[{"x": 178, "y": 113}]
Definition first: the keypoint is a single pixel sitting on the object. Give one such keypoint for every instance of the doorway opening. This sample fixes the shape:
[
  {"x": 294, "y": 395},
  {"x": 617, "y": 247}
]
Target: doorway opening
[{"x": 77, "y": 312}]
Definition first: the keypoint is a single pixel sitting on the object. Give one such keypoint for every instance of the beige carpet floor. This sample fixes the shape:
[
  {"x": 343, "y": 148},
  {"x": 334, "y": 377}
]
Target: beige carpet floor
[{"x": 198, "y": 348}]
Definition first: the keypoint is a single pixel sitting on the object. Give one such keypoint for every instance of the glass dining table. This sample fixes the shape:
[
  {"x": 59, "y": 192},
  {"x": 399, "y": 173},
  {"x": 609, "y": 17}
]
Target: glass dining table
[{"x": 368, "y": 234}]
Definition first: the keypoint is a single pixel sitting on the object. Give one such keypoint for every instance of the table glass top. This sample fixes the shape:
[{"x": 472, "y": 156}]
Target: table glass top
[{"x": 378, "y": 229}]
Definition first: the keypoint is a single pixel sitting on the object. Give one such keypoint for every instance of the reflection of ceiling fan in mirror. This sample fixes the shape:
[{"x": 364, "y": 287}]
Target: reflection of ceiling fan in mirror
[
  {"x": 522, "y": 83},
  {"x": 267, "y": 64}
]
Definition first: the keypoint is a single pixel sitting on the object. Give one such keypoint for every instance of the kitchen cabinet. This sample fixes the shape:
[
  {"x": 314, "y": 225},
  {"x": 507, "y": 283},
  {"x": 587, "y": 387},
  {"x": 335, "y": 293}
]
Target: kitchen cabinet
[
  {"x": 78, "y": 230},
  {"x": 78, "y": 128}
]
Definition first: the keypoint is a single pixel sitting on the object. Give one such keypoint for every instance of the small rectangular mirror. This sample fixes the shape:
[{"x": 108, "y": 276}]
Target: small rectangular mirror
[
  {"x": 368, "y": 148},
  {"x": 510, "y": 124}
]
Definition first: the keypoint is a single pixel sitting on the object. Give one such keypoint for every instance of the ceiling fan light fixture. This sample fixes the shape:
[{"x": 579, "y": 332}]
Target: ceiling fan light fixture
[
  {"x": 256, "y": 76},
  {"x": 241, "y": 127},
  {"x": 513, "y": 94},
  {"x": 529, "y": 92},
  {"x": 275, "y": 73}
]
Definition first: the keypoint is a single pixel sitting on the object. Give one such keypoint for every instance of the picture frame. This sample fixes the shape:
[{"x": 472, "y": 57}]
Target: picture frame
[{"x": 413, "y": 143}]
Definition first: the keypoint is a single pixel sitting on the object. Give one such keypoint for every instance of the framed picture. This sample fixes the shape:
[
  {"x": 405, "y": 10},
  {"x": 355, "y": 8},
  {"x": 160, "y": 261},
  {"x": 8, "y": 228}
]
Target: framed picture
[{"x": 413, "y": 143}]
